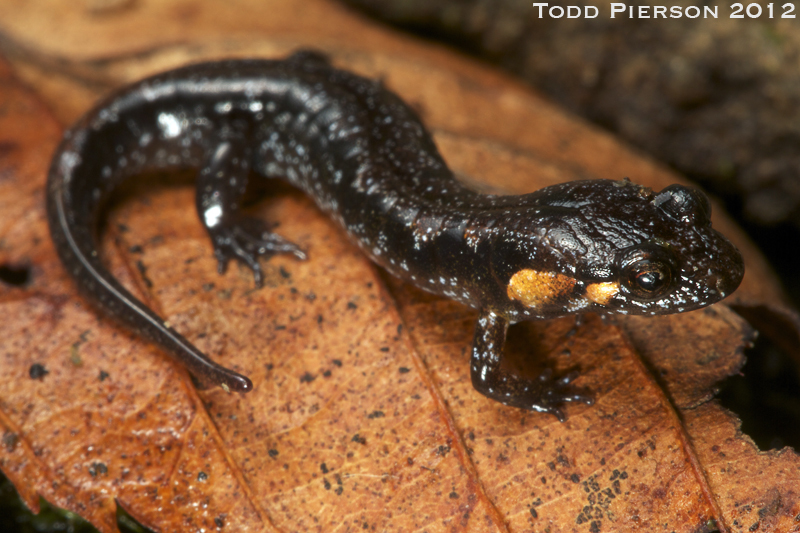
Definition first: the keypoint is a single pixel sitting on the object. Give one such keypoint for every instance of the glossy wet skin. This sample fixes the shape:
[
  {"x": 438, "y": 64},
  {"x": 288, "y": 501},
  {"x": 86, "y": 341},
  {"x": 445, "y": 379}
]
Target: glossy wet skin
[{"x": 365, "y": 158}]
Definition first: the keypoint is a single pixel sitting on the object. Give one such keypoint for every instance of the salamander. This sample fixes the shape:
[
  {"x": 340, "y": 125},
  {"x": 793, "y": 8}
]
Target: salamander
[{"x": 364, "y": 156}]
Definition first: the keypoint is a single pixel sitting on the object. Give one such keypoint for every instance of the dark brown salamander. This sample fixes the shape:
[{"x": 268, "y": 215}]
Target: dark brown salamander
[{"x": 366, "y": 159}]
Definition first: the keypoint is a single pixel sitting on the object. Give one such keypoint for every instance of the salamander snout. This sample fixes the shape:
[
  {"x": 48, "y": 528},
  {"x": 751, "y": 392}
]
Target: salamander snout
[
  {"x": 712, "y": 258},
  {"x": 730, "y": 268}
]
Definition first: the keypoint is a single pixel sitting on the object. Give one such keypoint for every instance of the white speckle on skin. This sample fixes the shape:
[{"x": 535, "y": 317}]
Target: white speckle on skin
[
  {"x": 213, "y": 216},
  {"x": 69, "y": 160},
  {"x": 169, "y": 125},
  {"x": 223, "y": 107}
]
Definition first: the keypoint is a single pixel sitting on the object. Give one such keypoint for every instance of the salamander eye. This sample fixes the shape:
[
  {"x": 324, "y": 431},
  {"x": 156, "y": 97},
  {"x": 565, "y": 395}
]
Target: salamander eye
[
  {"x": 647, "y": 270},
  {"x": 685, "y": 204}
]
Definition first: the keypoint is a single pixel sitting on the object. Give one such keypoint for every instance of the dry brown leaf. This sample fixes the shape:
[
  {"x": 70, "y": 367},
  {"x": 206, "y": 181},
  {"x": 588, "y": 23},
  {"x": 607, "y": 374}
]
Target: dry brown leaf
[{"x": 362, "y": 416}]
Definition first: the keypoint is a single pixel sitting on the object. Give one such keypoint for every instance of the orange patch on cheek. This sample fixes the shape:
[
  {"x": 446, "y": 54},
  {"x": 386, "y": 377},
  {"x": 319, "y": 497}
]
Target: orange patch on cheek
[
  {"x": 534, "y": 288},
  {"x": 601, "y": 293}
]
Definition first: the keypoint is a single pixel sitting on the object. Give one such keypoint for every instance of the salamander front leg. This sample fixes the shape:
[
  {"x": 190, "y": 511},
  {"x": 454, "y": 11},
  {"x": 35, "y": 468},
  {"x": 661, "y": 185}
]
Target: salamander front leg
[
  {"x": 220, "y": 187},
  {"x": 543, "y": 394}
]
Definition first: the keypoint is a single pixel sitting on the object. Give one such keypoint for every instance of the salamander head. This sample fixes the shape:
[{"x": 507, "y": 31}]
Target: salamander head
[{"x": 616, "y": 247}]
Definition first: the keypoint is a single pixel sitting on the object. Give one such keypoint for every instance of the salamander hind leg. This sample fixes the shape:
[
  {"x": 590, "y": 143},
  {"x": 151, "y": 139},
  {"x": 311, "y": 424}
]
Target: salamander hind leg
[
  {"x": 221, "y": 185},
  {"x": 544, "y": 394}
]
